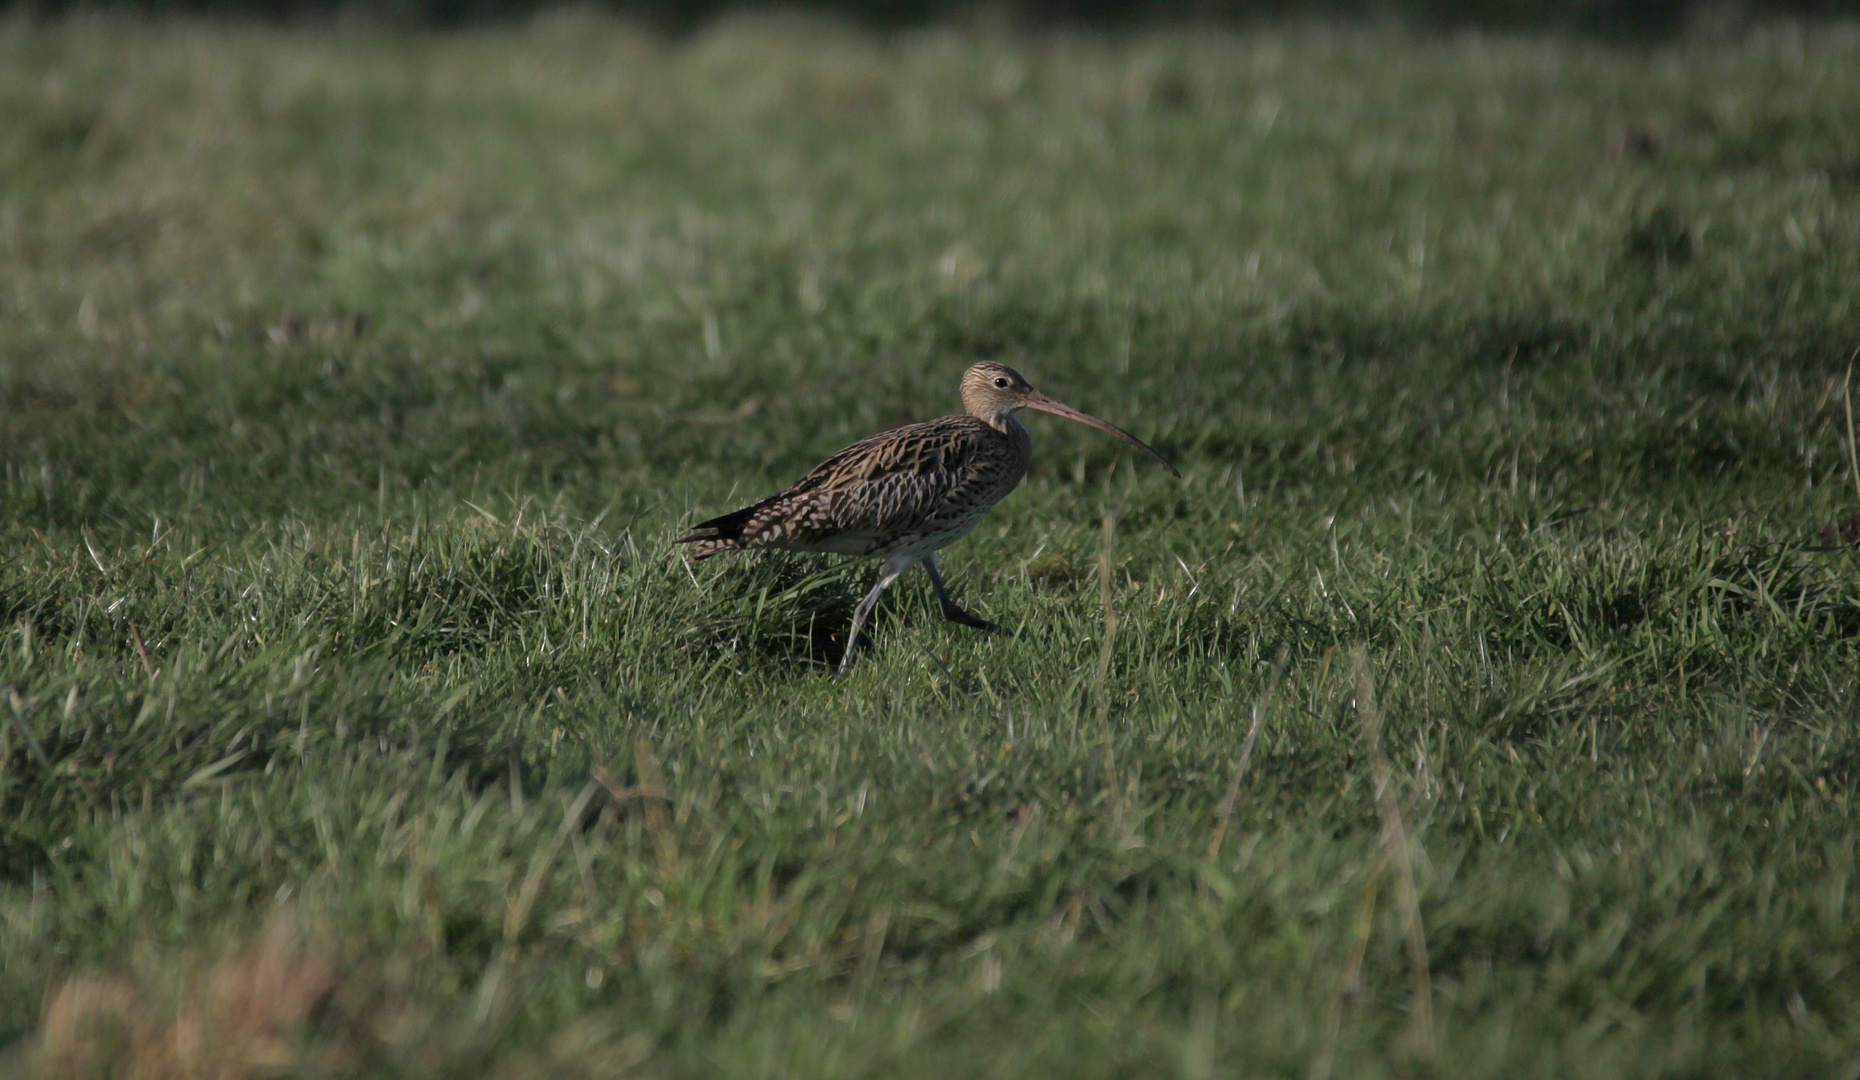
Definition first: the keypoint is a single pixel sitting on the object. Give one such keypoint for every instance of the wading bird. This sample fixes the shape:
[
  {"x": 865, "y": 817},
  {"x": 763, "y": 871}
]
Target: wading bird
[{"x": 904, "y": 494}]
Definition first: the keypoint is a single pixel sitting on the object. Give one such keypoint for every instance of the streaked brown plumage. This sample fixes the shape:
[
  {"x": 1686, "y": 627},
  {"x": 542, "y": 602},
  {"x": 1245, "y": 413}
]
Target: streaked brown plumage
[{"x": 903, "y": 494}]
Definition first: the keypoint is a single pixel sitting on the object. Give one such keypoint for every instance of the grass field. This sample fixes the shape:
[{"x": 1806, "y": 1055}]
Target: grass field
[{"x": 361, "y": 715}]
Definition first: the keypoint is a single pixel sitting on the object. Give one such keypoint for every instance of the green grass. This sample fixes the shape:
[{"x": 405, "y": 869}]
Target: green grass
[{"x": 366, "y": 377}]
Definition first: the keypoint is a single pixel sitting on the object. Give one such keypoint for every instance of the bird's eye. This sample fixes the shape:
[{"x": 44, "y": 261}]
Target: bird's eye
[{"x": 1001, "y": 382}]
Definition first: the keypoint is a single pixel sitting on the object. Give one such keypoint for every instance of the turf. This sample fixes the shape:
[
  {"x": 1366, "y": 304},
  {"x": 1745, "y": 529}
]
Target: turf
[{"x": 353, "y": 385}]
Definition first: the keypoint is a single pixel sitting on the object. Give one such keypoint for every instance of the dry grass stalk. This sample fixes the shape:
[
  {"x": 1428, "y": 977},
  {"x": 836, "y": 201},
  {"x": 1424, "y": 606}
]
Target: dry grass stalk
[
  {"x": 1395, "y": 851},
  {"x": 1847, "y": 400},
  {"x": 518, "y": 913},
  {"x": 1348, "y": 981},
  {"x": 135, "y": 632},
  {"x": 1106, "y": 573},
  {"x": 871, "y": 951},
  {"x": 1246, "y": 752},
  {"x": 658, "y": 823}
]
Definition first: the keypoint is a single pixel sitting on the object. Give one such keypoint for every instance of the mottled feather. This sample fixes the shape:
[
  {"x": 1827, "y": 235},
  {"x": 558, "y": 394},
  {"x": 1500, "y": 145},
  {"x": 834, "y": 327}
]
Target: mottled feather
[{"x": 920, "y": 483}]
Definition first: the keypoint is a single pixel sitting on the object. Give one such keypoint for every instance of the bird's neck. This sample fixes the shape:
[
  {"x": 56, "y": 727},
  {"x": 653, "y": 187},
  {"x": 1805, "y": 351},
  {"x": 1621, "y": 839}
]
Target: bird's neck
[{"x": 1008, "y": 424}]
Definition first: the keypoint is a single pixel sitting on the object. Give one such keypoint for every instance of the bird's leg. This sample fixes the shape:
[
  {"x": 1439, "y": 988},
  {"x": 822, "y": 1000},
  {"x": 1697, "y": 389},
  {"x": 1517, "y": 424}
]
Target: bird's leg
[
  {"x": 894, "y": 569},
  {"x": 950, "y": 610}
]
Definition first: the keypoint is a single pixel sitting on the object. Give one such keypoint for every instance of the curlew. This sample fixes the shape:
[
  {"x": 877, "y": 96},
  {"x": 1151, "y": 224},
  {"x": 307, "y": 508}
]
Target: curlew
[{"x": 905, "y": 494}]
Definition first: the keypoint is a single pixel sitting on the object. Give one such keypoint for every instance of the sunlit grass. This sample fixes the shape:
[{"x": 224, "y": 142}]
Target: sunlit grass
[{"x": 353, "y": 385}]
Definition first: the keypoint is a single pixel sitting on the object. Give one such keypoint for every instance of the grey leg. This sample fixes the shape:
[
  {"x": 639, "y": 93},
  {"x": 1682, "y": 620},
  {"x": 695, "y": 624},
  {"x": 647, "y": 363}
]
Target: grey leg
[
  {"x": 894, "y": 569},
  {"x": 950, "y": 610}
]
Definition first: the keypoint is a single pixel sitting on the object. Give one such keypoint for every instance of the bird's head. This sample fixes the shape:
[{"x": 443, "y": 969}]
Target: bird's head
[{"x": 992, "y": 392}]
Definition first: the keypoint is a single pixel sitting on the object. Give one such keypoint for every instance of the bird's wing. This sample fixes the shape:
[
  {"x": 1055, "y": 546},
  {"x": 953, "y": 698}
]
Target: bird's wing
[
  {"x": 928, "y": 449},
  {"x": 874, "y": 489},
  {"x": 891, "y": 481}
]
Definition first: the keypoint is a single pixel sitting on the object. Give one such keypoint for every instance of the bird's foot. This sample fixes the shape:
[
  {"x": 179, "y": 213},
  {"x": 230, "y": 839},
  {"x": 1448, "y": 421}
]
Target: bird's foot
[{"x": 957, "y": 615}]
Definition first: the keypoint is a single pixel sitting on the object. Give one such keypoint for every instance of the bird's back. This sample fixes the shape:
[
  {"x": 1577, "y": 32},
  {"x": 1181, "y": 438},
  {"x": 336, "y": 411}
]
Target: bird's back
[{"x": 919, "y": 485}]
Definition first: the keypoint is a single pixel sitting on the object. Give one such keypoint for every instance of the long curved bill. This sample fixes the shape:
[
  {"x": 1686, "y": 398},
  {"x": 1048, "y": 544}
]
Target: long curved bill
[{"x": 1045, "y": 404}]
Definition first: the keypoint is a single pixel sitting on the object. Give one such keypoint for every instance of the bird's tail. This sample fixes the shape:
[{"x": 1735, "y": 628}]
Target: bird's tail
[{"x": 719, "y": 534}]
